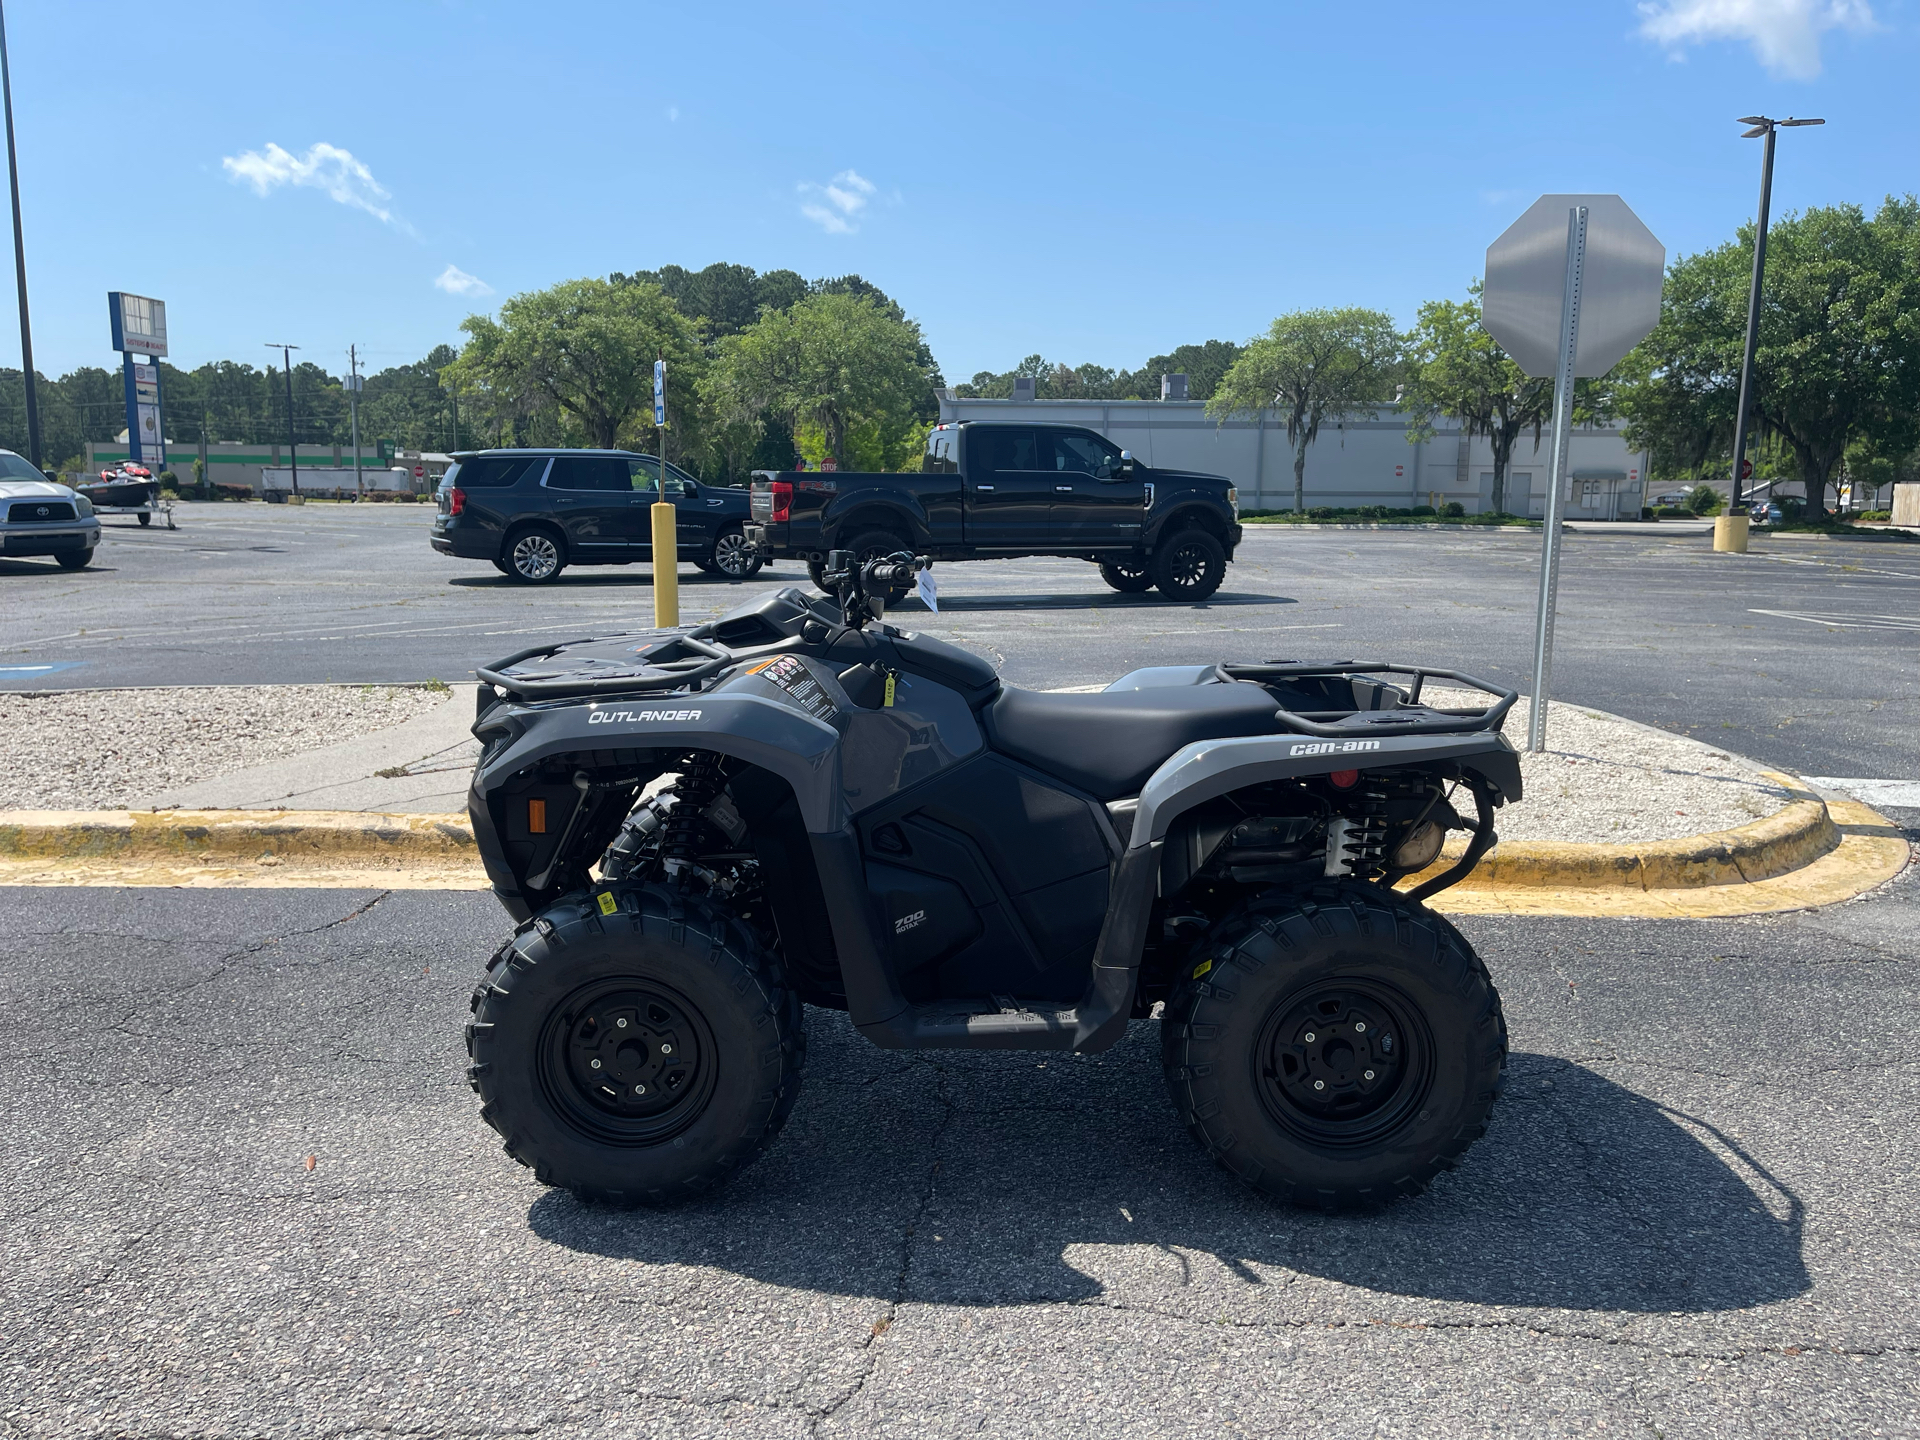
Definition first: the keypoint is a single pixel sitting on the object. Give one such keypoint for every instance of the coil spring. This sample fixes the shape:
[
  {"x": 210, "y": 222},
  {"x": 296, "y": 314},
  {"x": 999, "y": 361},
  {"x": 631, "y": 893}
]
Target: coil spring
[
  {"x": 1364, "y": 846},
  {"x": 700, "y": 784}
]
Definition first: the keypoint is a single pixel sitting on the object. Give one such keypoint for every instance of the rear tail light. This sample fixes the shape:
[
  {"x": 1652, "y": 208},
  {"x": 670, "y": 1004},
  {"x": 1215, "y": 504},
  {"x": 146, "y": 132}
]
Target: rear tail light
[
  {"x": 456, "y": 500},
  {"x": 782, "y": 502}
]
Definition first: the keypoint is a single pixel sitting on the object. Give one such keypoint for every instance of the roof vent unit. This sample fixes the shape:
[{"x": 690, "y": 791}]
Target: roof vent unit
[
  {"x": 1023, "y": 387},
  {"x": 1173, "y": 387}
]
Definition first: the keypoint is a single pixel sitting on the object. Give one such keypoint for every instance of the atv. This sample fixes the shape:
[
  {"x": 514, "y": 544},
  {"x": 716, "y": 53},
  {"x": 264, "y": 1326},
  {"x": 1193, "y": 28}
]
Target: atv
[{"x": 699, "y": 830}]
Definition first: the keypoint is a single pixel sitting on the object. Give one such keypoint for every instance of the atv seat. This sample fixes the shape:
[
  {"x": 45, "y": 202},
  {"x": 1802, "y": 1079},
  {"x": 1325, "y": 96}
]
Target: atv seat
[{"x": 1109, "y": 743}]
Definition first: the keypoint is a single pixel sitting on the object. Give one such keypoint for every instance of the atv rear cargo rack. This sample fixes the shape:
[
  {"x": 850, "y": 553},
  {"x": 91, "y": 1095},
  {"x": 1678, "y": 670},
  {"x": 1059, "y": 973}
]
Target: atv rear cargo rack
[{"x": 1391, "y": 710}]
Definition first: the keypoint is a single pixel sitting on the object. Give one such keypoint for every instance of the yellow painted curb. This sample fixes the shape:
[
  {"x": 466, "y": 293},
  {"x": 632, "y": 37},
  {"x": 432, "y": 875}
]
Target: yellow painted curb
[
  {"x": 1777, "y": 844},
  {"x": 317, "y": 838}
]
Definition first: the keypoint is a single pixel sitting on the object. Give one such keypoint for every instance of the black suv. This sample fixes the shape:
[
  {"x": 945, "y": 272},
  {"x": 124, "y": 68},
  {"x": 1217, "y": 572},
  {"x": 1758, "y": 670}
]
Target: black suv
[{"x": 535, "y": 512}]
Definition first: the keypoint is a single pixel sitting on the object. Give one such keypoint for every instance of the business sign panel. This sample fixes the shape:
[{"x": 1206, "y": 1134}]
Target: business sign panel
[{"x": 139, "y": 323}]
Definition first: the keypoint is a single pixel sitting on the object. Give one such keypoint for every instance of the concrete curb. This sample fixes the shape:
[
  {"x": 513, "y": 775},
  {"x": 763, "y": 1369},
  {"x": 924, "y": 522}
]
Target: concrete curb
[{"x": 1811, "y": 852}]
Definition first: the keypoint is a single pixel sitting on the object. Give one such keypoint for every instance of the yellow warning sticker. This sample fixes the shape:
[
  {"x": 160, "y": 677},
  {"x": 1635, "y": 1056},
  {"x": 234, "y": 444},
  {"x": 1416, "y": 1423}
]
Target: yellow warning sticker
[
  {"x": 607, "y": 903},
  {"x": 1202, "y": 968},
  {"x": 888, "y": 702}
]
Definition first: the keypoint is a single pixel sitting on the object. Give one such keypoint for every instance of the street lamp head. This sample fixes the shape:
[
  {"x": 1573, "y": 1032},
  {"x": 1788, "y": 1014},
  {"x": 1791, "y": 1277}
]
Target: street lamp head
[
  {"x": 1756, "y": 130},
  {"x": 1791, "y": 121},
  {"x": 1751, "y": 120}
]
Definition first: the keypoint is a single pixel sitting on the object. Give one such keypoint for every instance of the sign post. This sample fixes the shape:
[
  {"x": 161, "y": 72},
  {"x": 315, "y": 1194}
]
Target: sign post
[
  {"x": 666, "y": 562},
  {"x": 139, "y": 327},
  {"x": 1571, "y": 287}
]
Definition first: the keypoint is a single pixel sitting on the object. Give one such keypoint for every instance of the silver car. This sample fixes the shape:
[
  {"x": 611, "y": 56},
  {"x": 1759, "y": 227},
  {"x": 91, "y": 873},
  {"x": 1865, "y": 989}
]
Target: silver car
[{"x": 38, "y": 517}]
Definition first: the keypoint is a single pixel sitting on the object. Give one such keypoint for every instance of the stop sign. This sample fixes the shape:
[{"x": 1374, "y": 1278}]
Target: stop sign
[
  {"x": 1619, "y": 284},
  {"x": 419, "y": 472}
]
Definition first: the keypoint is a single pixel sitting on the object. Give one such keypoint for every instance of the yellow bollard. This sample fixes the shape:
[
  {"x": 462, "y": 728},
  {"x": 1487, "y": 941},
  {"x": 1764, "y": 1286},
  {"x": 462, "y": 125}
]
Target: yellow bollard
[
  {"x": 666, "y": 568},
  {"x": 1730, "y": 533}
]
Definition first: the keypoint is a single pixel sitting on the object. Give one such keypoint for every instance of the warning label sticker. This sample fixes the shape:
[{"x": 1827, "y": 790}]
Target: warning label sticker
[{"x": 790, "y": 673}]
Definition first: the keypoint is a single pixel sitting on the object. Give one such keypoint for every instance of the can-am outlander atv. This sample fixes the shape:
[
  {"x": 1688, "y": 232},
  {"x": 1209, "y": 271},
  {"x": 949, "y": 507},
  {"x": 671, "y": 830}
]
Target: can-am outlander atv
[{"x": 697, "y": 830}]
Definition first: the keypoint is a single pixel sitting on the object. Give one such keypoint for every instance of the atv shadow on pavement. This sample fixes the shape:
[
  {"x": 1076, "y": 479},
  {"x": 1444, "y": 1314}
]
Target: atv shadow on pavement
[
  {"x": 971, "y": 1179},
  {"x": 1087, "y": 601}
]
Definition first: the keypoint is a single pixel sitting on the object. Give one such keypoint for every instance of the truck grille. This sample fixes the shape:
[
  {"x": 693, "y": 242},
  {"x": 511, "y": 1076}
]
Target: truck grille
[{"x": 27, "y": 512}]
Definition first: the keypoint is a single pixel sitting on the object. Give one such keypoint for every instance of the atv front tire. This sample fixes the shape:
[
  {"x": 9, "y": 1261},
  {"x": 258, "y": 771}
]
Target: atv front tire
[
  {"x": 1335, "y": 1050},
  {"x": 635, "y": 1047}
]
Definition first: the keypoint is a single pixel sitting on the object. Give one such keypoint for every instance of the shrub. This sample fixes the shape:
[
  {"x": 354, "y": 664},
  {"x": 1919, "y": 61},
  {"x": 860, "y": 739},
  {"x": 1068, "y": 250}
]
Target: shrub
[
  {"x": 1876, "y": 515},
  {"x": 1703, "y": 500},
  {"x": 1322, "y": 512},
  {"x": 1421, "y": 510},
  {"x": 1453, "y": 510}
]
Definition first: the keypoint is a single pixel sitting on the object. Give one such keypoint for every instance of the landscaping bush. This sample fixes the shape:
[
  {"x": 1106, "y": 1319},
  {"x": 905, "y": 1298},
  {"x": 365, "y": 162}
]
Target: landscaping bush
[
  {"x": 1452, "y": 510},
  {"x": 1876, "y": 514},
  {"x": 1704, "y": 500},
  {"x": 1421, "y": 510}
]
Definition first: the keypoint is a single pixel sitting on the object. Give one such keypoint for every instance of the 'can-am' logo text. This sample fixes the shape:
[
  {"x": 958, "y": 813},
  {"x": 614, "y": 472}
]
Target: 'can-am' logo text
[
  {"x": 636, "y": 717},
  {"x": 1333, "y": 747}
]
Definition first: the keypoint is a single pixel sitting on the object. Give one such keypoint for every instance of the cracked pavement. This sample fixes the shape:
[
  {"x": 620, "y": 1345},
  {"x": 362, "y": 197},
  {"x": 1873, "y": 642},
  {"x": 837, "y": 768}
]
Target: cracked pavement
[{"x": 1694, "y": 1214}]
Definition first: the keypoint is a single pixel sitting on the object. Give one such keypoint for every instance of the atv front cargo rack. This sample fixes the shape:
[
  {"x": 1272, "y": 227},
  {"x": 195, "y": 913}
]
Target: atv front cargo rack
[{"x": 1389, "y": 711}]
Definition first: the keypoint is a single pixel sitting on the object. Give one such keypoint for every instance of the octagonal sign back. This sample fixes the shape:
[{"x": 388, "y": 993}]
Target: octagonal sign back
[{"x": 1619, "y": 290}]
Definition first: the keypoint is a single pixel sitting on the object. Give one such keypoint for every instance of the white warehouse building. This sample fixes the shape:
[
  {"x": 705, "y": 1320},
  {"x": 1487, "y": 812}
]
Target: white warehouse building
[{"x": 1367, "y": 460}]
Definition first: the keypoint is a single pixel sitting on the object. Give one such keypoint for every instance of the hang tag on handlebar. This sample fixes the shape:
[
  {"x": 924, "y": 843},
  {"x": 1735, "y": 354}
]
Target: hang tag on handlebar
[
  {"x": 887, "y": 703},
  {"x": 928, "y": 589}
]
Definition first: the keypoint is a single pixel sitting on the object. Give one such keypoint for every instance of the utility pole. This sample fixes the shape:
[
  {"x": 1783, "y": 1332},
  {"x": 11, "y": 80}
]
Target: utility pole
[
  {"x": 1762, "y": 126},
  {"x": 20, "y": 257},
  {"x": 293, "y": 453},
  {"x": 353, "y": 410}
]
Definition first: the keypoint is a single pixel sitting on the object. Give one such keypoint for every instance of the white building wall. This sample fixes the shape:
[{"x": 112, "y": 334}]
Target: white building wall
[{"x": 1365, "y": 461}]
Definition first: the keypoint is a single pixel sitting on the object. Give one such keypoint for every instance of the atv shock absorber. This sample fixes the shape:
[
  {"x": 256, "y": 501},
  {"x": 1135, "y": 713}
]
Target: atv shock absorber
[
  {"x": 700, "y": 783},
  {"x": 1357, "y": 840}
]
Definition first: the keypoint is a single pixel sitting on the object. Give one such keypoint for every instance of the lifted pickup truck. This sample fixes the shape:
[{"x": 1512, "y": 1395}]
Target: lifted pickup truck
[{"x": 993, "y": 490}]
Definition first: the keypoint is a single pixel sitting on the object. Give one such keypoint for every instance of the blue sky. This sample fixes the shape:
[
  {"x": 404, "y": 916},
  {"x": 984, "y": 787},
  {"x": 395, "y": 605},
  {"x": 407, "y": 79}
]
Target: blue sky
[{"x": 1090, "y": 182}]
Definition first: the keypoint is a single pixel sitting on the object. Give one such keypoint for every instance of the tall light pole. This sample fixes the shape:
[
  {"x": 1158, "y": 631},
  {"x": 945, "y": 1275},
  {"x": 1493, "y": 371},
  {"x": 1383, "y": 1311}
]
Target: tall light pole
[
  {"x": 20, "y": 256},
  {"x": 293, "y": 451},
  {"x": 1762, "y": 126}
]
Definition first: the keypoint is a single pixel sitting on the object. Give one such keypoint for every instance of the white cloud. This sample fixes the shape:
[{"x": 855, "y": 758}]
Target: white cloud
[
  {"x": 1785, "y": 34},
  {"x": 835, "y": 207},
  {"x": 673, "y": 113},
  {"x": 324, "y": 167},
  {"x": 456, "y": 281}
]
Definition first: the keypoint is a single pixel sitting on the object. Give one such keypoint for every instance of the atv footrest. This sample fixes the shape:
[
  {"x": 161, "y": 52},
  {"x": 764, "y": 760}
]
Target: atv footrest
[{"x": 981, "y": 1025}]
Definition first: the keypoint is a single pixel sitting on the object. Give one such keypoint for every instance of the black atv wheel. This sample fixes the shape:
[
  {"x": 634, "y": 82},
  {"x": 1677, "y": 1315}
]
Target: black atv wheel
[
  {"x": 1335, "y": 1050},
  {"x": 1129, "y": 577},
  {"x": 1189, "y": 566},
  {"x": 637, "y": 1057}
]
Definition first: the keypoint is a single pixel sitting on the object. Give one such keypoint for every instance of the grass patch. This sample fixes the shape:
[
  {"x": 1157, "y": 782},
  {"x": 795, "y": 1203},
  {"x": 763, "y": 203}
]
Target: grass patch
[{"x": 1837, "y": 527}]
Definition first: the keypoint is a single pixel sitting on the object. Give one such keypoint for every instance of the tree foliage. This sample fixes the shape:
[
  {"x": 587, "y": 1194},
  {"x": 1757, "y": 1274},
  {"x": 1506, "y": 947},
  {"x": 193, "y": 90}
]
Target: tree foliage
[
  {"x": 587, "y": 346},
  {"x": 1203, "y": 365},
  {"x": 1837, "y": 366},
  {"x": 1454, "y": 367},
  {"x": 837, "y": 364},
  {"x": 1312, "y": 366}
]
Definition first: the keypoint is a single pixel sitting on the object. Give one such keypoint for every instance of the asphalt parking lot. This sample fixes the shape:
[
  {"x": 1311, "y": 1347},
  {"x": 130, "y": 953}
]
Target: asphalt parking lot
[
  {"x": 1694, "y": 1215},
  {"x": 1802, "y": 653}
]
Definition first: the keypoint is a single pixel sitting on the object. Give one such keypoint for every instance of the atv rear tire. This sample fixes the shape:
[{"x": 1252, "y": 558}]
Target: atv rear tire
[
  {"x": 1189, "y": 566},
  {"x": 1129, "y": 577},
  {"x": 640, "y": 1056},
  {"x": 1335, "y": 1050}
]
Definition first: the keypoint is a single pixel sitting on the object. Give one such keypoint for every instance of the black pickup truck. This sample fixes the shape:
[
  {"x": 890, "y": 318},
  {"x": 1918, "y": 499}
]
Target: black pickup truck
[{"x": 990, "y": 490}]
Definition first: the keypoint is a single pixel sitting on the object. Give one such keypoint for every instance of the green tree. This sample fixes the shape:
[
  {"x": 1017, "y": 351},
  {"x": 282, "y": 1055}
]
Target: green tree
[
  {"x": 1838, "y": 359},
  {"x": 1456, "y": 368},
  {"x": 837, "y": 363},
  {"x": 587, "y": 347},
  {"x": 1312, "y": 366}
]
